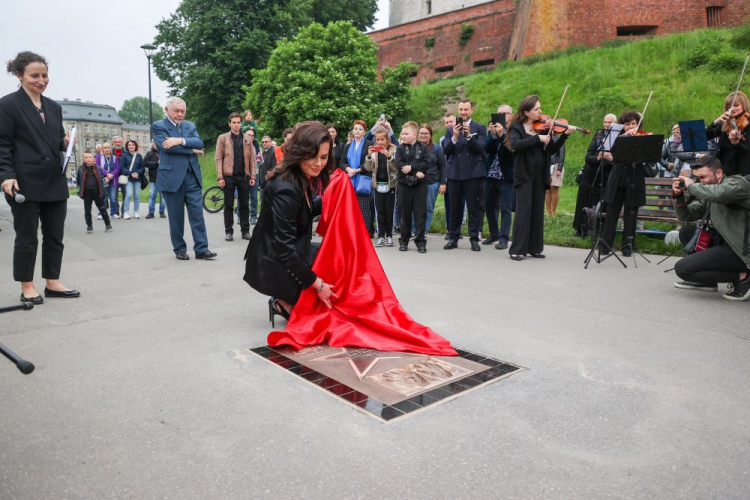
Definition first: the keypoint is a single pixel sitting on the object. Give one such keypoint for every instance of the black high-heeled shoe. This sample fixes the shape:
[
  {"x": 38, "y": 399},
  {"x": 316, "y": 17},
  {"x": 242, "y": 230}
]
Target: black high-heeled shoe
[{"x": 275, "y": 308}]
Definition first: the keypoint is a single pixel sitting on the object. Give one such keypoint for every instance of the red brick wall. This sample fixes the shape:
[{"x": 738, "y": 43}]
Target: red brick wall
[
  {"x": 493, "y": 24},
  {"x": 551, "y": 25},
  {"x": 559, "y": 24}
]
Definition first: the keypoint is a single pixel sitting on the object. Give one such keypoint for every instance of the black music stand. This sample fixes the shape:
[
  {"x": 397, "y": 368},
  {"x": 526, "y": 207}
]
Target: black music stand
[
  {"x": 608, "y": 139},
  {"x": 635, "y": 150},
  {"x": 23, "y": 366}
]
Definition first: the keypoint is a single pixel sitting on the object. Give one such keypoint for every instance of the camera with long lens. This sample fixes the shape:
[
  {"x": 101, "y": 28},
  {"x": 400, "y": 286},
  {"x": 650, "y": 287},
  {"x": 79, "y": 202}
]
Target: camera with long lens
[
  {"x": 411, "y": 180},
  {"x": 681, "y": 185}
]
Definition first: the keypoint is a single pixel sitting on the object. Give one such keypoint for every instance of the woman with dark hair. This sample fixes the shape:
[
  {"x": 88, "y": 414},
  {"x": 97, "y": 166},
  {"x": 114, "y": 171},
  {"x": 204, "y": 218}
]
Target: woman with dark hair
[
  {"x": 31, "y": 139},
  {"x": 531, "y": 177},
  {"x": 338, "y": 148},
  {"x": 353, "y": 163},
  {"x": 132, "y": 167},
  {"x": 280, "y": 253},
  {"x": 733, "y": 151}
]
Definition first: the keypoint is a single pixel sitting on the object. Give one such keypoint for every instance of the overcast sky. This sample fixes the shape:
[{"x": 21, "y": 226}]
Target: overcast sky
[{"x": 93, "y": 47}]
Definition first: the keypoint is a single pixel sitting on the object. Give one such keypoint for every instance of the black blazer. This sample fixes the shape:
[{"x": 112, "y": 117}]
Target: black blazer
[
  {"x": 269, "y": 163},
  {"x": 735, "y": 160},
  {"x": 30, "y": 148},
  {"x": 468, "y": 154},
  {"x": 279, "y": 255},
  {"x": 345, "y": 161},
  {"x": 523, "y": 145},
  {"x": 336, "y": 152}
]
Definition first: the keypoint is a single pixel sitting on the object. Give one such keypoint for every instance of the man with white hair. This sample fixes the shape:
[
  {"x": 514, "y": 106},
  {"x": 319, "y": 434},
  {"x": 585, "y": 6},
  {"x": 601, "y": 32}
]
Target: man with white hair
[{"x": 180, "y": 178}]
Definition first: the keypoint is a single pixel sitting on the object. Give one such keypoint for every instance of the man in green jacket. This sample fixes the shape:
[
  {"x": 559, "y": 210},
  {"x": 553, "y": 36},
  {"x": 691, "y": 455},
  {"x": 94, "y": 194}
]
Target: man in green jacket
[{"x": 729, "y": 200}]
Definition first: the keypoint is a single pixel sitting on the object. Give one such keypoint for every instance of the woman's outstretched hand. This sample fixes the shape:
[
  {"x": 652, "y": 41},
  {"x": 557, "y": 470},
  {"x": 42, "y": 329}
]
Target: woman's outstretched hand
[{"x": 325, "y": 292}]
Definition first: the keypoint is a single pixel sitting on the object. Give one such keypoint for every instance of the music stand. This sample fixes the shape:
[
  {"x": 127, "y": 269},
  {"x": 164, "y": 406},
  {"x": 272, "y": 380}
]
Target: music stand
[
  {"x": 596, "y": 250},
  {"x": 637, "y": 149},
  {"x": 694, "y": 136}
]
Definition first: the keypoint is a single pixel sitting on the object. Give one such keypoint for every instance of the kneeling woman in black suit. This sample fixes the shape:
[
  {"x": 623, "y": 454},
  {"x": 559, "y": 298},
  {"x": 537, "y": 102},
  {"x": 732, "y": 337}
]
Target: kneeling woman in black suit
[
  {"x": 280, "y": 253},
  {"x": 31, "y": 138},
  {"x": 531, "y": 177}
]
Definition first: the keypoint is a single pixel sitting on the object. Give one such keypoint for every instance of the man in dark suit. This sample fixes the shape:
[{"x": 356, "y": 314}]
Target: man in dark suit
[
  {"x": 269, "y": 159},
  {"x": 465, "y": 142},
  {"x": 180, "y": 178}
]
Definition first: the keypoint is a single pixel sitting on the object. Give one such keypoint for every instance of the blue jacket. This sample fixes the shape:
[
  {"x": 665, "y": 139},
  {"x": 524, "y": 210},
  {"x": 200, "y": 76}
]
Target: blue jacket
[
  {"x": 175, "y": 162},
  {"x": 138, "y": 166}
]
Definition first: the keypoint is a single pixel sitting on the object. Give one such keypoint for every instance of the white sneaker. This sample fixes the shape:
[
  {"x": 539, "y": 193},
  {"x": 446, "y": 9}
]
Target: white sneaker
[
  {"x": 116, "y": 216},
  {"x": 389, "y": 241},
  {"x": 380, "y": 242},
  {"x": 126, "y": 216},
  {"x": 137, "y": 216},
  {"x": 99, "y": 217}
]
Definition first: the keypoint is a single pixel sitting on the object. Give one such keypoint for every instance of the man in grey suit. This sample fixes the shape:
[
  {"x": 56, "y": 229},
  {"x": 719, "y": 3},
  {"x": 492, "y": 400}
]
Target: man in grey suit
[{"x": 180, "y": 178}]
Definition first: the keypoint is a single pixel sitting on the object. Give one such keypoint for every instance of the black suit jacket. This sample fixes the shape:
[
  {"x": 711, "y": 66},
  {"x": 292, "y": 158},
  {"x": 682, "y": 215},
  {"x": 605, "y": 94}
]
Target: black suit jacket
[
  {"x": 269, "y": 163},
  {"x": 279, "y": 254},
  {"x": 345, "y": 160},
  {"x": 30, "y": 148},
  {"x": 523, "y": 145},
  {"x": 468, "y": 154}
]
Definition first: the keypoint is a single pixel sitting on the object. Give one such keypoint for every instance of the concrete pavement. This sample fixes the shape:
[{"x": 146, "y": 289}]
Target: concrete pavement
[{"x": 144, "y": 387}]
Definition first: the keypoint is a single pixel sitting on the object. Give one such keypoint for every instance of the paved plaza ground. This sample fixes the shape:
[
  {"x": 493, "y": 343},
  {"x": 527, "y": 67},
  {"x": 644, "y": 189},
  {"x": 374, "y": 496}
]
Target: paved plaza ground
[{"x": 145, "y": 388}]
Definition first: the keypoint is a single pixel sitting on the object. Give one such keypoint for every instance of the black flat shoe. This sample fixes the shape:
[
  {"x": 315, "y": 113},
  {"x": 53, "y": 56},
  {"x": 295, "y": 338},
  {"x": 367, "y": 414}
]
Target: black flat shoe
[
  {"x": 69, "y": 294},
  {"x": 475, "y": 246},
  {"x": 182, "y": 256},
  {"x": 34, "y": 300},
  {"x": 207, "y": 255},
  {"x": 490, "y": 241},
  {"x": 274, "y": 308},
  {"x": 450, "y": 245},
  {"x": 516, "y": 257},
  {"x": 538, "y": 255},
  {"x": 422, "y": 249}
]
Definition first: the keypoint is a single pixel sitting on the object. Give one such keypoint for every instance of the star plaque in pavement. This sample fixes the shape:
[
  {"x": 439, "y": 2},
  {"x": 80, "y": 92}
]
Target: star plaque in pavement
[{"x": 362, "y": 360}]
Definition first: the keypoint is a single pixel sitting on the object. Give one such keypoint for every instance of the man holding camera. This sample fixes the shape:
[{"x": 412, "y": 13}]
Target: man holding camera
[
  {"x": 466, "y": 174},
  {"x": 726, "y": 200},
  {"x": 413, "y": 160}
]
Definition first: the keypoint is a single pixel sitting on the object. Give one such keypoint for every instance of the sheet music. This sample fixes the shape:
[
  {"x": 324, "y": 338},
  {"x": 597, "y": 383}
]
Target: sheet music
[
  {"x": 69, "y": 151},
  {"x": 614, "y": 132}
]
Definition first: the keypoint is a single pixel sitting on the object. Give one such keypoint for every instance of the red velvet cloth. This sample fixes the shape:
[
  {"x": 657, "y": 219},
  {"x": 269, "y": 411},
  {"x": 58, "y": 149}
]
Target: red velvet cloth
[{"x": 367, "y": 312}]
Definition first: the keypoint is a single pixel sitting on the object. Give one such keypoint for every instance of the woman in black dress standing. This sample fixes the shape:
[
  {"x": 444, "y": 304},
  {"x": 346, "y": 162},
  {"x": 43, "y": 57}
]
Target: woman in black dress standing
[
  {"x": 531, "y": 177},
  {"x": 280, "y": 253},
  {"x": 338, "y": 148},
  {"x": 31, "y": 139}
]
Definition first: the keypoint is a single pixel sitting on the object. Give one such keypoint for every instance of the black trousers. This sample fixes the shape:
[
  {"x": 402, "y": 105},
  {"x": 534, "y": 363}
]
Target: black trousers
[
  {"x": 26, "y": 218},
  {"x": 472, "y": 190},
  {"x": 630, "y": 218},
  {"x": 89, "y": 196},
  {"x": 713, "y": 265},
  {"x": 243, "y": 197},
  {"x": 384, "y": 208},
  {"x": 528, "y": 226},
  {"x": 412, "y": 200}
]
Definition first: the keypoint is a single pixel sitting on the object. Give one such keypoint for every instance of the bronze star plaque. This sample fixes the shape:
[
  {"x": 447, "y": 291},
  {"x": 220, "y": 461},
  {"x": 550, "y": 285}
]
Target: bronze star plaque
[{"x": 388, "y": 385}]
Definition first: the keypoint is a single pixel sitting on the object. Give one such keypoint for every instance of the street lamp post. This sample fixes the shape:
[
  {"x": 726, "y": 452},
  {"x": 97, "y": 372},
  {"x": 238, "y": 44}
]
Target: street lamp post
[{"x": 148, "y": 49}]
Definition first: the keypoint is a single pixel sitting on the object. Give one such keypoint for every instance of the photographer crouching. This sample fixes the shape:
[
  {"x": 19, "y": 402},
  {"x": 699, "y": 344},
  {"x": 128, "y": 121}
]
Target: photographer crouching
[{"x": 726, "y": 202}]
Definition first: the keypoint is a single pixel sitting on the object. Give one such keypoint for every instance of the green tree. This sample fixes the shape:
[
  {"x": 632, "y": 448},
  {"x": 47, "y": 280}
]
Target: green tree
[
  {"x": 360, "y": 13},
  {"x": 333, "y": 79},
  {"x": 135, "y": 110},
  {"x": 208, "y": 47}
]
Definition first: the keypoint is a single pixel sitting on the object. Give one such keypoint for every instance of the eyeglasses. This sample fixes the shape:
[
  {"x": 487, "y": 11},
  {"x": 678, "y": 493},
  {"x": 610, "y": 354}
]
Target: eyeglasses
[{"x": 424, "y": 133}]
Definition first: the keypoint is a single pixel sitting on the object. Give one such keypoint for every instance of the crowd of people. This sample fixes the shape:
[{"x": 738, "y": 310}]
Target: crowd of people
[{"x": 483, "y": 172}]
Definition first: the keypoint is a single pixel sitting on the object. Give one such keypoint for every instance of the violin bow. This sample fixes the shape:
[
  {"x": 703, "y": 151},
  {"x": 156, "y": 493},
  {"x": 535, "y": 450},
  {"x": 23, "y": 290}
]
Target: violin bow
[
  {"x": 736, "y": 91},
  {"x": 557, "y": 113},
  {"x": 644, "y": 111}
]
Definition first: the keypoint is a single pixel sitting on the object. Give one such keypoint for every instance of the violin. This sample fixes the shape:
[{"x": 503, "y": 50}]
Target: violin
[
  {"x": 544, "y": 124},
  {"x": 738, "y": 123}
]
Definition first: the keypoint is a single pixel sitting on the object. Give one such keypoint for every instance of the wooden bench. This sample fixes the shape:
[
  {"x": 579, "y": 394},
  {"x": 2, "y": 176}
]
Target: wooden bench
[{"x": 658, "y": 206}]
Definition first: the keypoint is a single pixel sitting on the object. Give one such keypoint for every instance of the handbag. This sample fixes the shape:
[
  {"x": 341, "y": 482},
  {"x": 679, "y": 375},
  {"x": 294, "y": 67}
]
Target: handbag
[
  {"x": 362, "y": 184},
  {"x": 144, "y": 181},
  {"x": 702, "y": 237},
  {"x": 123, "y": 179}
]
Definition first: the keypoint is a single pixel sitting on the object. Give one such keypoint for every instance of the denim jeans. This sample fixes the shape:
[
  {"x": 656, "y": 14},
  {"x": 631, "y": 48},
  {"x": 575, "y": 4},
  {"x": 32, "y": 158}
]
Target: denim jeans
[
  {"x": 254, "y": 200},
  {"x": 498, "y": 202},
  {"x": 152, "y": 192},
  {"x": 132, "y": 190},
  {"x": 112, "y": 195},
  {"x": 432, "y": 194}
]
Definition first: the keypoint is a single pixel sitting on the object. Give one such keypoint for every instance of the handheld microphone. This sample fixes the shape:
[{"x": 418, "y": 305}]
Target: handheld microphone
[{"x": 18, "y": 196}]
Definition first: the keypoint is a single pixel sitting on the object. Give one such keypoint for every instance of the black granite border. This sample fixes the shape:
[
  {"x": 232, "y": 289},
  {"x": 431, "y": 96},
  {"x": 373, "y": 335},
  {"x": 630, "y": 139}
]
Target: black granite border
[{"x": 381, "y": 411}]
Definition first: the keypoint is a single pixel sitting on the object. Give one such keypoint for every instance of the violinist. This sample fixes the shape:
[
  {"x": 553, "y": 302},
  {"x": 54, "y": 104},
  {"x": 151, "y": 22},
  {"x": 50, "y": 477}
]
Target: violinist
[
  {"x": 598, "y": 164},
  {"x": 733, "y": 151},
  {"x": 531, "y": 176},
  {"x": 626, "y": 186}
]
